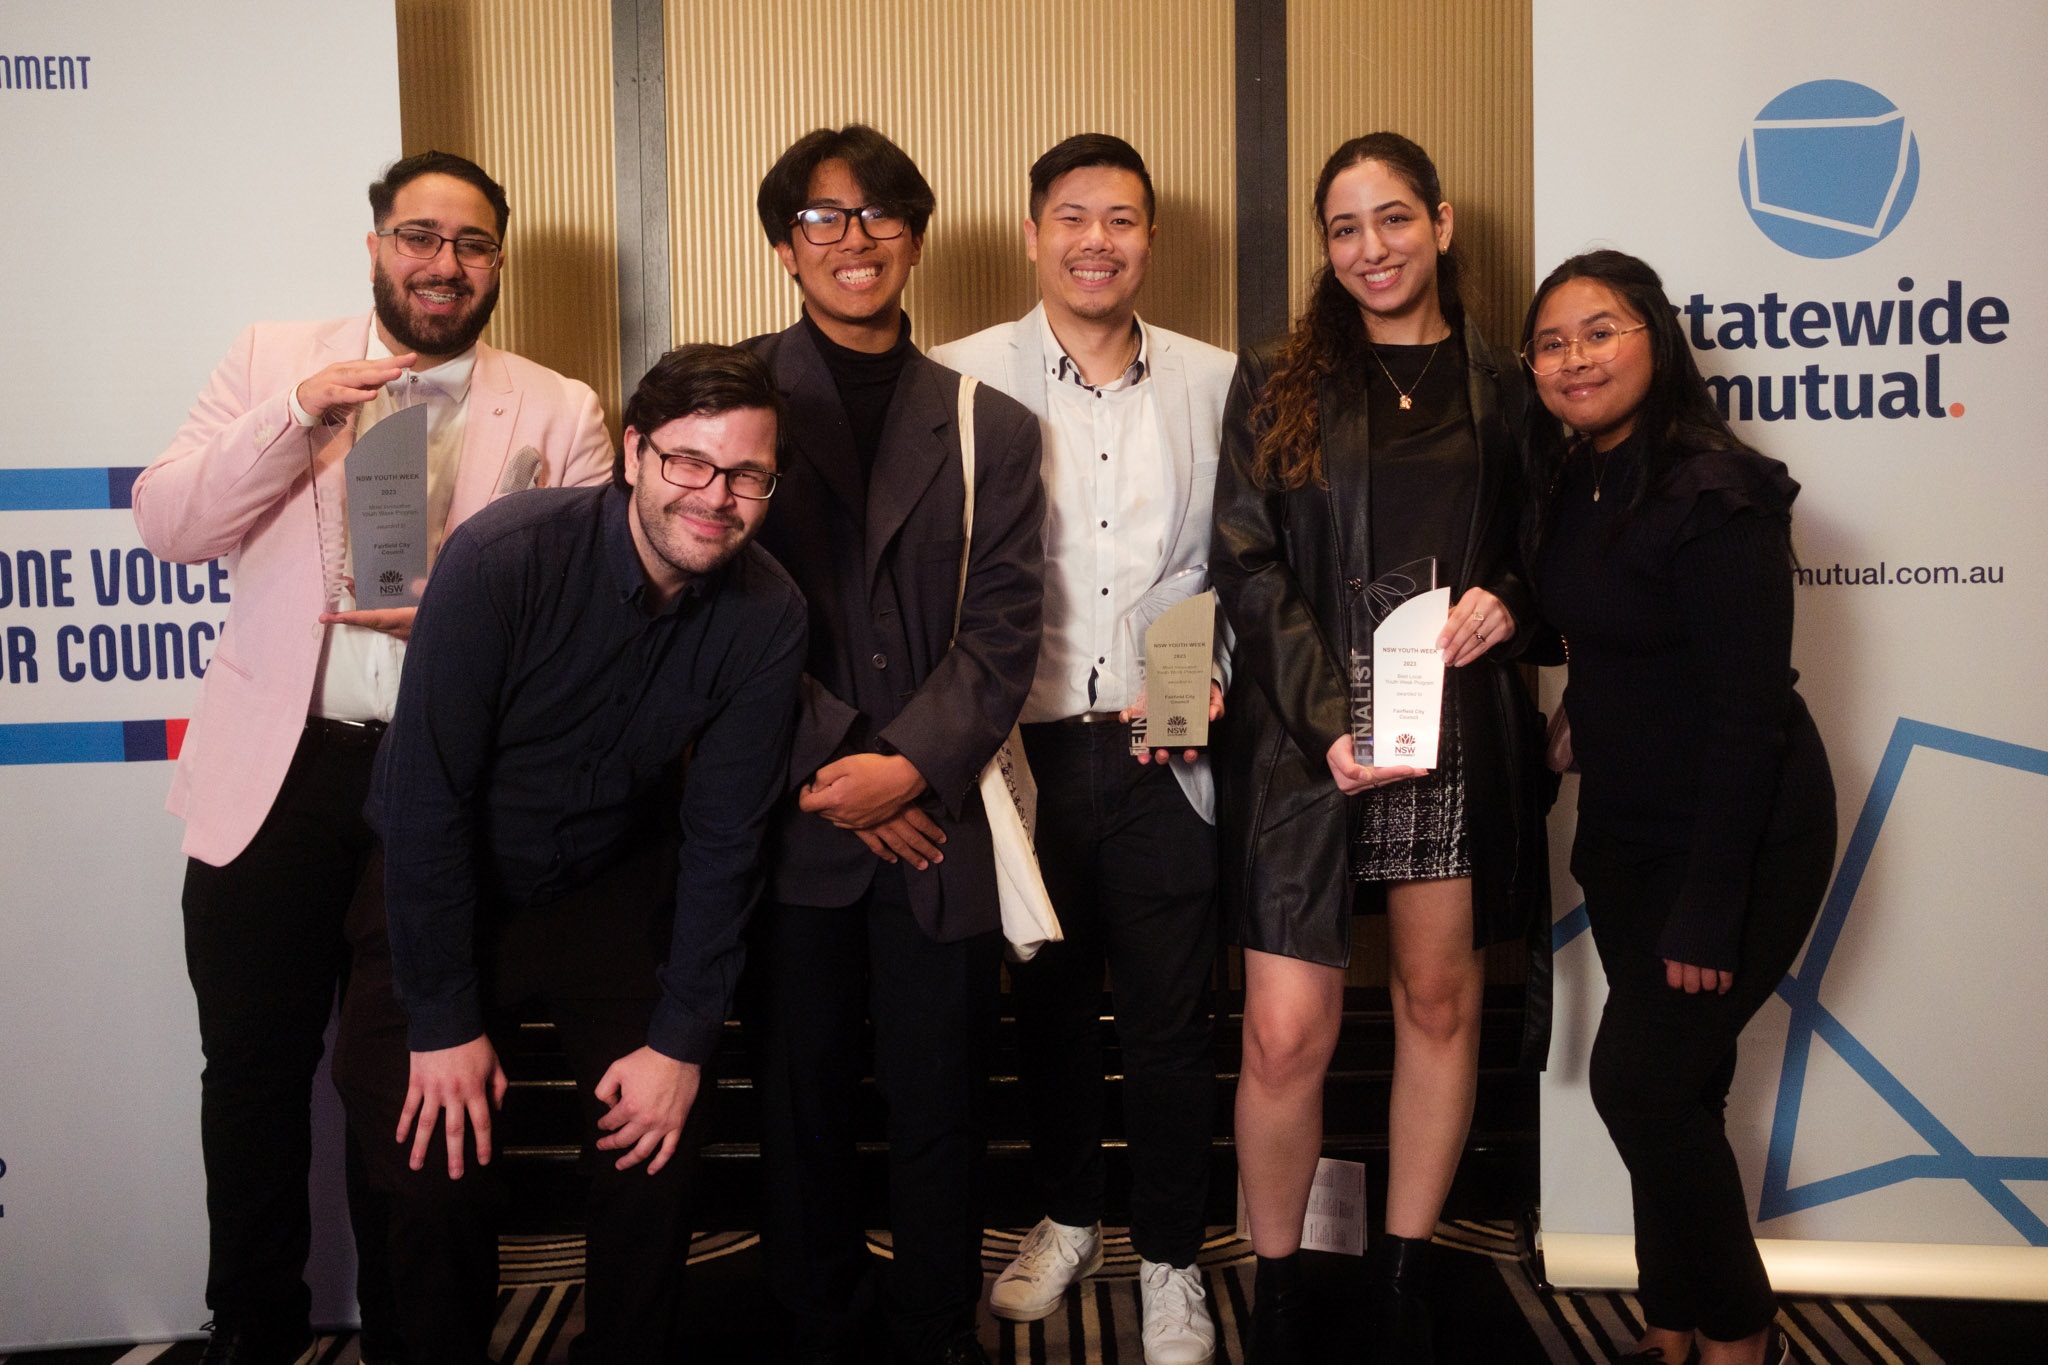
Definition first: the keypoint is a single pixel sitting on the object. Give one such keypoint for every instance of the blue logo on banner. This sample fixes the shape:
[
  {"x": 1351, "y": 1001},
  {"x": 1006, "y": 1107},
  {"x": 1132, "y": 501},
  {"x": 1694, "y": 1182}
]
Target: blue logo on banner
[
  {"x": 1828, "y": 168},
  {"x": 1952, "y": 1158},
  {"x": 1990, "y": 1176}
]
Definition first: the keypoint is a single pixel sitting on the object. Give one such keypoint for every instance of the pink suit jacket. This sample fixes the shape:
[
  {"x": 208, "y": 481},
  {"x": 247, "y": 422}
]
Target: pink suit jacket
[{"x": 237, "y": 482}]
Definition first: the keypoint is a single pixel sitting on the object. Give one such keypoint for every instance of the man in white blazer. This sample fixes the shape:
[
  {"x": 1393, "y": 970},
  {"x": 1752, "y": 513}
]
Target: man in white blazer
[
  {"x": 1131, "y": 416},
  {"x": 275, "y": 764}
]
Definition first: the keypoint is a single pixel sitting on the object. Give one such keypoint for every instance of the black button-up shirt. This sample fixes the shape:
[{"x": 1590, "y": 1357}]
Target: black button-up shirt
[{"x": 541, "y": 706}]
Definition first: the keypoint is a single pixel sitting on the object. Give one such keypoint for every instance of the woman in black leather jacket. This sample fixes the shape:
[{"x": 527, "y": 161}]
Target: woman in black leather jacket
[{"x": 1383, "y": 429}]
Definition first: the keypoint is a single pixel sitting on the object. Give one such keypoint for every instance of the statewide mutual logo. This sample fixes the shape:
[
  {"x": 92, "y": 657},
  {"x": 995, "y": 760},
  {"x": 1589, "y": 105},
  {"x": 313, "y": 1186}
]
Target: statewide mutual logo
[{"x": 1828, "y": 168}]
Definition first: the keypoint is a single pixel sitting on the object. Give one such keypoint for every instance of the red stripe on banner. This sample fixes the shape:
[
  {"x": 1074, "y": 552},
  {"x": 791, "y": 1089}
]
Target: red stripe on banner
[{"x": 174, "y": 736}]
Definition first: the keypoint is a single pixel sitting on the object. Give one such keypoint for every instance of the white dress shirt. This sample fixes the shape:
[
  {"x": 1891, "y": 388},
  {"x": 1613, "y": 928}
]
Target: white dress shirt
[
  {"x": 359, "y": 667},
  {"x": 1108, "y": 494}
]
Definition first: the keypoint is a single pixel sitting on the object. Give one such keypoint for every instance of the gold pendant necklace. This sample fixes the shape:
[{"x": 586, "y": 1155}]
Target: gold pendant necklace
[
  {"x": 1599, "y": 474},
  {"x": 1407, "y": 401}
]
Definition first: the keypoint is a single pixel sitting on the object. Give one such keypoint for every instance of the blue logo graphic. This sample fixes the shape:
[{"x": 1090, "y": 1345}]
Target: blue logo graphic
[
  {"x": 1951, "y": 1158},
  {"x": 1990, "y": 1176},
  {"x": 1828, "y": 168}
]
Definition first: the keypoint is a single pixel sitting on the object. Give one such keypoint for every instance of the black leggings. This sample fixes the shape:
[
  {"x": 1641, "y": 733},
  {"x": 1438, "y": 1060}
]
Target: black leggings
[{"x": 1662, "y": 1064}]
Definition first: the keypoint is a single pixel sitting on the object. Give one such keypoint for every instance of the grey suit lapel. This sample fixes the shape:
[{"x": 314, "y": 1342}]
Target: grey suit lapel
[
  {"x": 914, "y": 450},
  {"x": 818, "y": 431},
  {"x": 1171, "y": 398},
  {"x": 1028, "y": 362}
]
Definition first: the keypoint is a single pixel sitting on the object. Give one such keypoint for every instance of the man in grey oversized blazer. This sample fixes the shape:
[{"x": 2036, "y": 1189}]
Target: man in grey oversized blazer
[
  {"x": 882, "y": 890},
  {"x": 1132, "y": 416}
]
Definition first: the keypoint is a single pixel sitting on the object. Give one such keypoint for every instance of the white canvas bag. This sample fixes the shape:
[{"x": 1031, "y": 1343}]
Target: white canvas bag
[{"x": 1008, "y": 793}]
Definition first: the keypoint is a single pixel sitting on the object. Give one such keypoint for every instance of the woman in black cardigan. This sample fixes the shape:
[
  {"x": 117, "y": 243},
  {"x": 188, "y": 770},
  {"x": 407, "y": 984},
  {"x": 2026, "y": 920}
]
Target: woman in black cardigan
[
  {"x": 1380, "y": 431},
  {"x": 1706, "y": 811}
]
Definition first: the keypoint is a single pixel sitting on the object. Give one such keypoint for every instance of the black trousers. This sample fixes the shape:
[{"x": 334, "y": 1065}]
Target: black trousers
[
  {"x": 816, "y": 973},
  {"x": 1132, "y": 872},
  {"x": 590, "y": 958},
  {"x": 1662, "y": 1064},
  {"x": 266, "y": 955}
]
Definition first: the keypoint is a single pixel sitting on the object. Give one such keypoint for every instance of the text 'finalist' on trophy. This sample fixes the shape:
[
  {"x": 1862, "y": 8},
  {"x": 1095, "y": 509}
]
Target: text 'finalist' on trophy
[
  {"x": 1396, "y": 671},
  {"x": 1179, "y": 649}
]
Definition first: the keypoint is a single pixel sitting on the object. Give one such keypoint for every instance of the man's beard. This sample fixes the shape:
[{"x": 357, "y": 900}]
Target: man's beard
[
  {"x": 656, "y": 522},
  {"x": 428, "y": 335}
]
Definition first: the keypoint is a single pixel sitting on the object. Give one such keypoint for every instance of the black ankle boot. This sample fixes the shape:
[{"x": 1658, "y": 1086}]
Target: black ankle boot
[
  {"x": 1400, "y": 1301},
  {"x": 1280, "y": 1327}
]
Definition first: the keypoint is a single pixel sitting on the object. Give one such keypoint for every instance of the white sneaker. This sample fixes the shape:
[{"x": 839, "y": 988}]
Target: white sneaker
[
  {"x": 1051, "y": 1257},
  {"x": 1178, "y": 1330}
]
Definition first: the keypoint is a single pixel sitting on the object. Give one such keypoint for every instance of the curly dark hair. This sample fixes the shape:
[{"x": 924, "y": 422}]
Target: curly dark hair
[{"x": 1331, "y": 331}]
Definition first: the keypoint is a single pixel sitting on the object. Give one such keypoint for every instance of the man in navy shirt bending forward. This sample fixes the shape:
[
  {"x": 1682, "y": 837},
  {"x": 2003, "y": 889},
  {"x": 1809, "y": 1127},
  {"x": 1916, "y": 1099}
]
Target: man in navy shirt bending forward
[{"x": 544, "y": 838}]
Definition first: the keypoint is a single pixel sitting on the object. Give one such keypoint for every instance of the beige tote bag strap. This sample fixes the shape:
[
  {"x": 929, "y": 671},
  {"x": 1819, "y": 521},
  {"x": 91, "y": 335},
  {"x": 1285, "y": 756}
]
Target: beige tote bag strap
[{"x": 968, "y": 384}]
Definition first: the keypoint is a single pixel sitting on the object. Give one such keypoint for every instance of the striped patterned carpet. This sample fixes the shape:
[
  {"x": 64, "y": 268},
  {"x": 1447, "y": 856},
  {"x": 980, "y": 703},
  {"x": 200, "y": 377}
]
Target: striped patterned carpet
[
  {"x": 1501, "y": 1317},
  {"x": 1573, "y": 1328}
]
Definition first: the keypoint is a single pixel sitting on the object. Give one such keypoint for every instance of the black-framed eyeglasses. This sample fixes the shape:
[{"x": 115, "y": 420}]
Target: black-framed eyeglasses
[
  {"x": 478, "y": 253},
  {"x": 1546, "y": 355},
  {"x": 687, "y": 471},
  {"x": 823, "y": 224}
]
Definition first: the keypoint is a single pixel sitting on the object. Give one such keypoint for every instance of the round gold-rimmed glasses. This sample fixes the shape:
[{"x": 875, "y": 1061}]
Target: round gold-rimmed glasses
[{"x": 1600, "y": 343}]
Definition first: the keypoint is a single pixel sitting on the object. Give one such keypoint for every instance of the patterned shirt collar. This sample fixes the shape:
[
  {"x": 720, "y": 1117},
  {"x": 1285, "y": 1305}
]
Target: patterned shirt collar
[{"x": 1060, "y": 368}]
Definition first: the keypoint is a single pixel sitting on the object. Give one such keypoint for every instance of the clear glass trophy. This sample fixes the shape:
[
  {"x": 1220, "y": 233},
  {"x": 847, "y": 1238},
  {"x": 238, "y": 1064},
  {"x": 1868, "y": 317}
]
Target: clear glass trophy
[
  {"x": 387, "y": 505},
  {"x": 1371, "y": 604}
]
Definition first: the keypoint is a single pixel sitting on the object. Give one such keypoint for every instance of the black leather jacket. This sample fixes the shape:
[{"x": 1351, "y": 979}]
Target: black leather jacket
[{"x": 1286, "y": 564}]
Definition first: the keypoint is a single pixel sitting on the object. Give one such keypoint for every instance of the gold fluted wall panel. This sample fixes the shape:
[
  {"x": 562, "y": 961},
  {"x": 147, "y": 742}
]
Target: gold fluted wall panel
[
  {"x": 524, "y": 89},
  {"x": 1454, "y": 75},
  {"x": 973, "y": 90}
]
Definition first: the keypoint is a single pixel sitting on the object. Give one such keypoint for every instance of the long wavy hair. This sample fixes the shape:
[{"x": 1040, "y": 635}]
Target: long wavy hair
[
  {"x": 1330, "y": 333},
  {"x": 1677, "y": 419}
]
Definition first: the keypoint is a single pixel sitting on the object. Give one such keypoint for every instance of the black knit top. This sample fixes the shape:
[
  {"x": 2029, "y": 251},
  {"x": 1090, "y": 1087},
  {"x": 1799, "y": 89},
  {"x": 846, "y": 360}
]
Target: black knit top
[
  {"x": 867, "y": 385},
  {"x": 1687, "y": 730}
]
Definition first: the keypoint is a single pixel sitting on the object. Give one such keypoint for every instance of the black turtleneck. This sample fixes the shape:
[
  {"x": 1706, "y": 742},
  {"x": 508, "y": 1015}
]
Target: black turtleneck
[
  {"x": 866, "y": 381},
  {"x": 1684, "y": 720}
]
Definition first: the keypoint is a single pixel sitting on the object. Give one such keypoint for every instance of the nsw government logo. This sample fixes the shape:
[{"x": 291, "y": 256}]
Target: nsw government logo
[{"x": 1828, "y": 168}]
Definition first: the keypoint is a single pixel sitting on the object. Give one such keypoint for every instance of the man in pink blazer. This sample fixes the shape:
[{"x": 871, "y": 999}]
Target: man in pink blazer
[{"x": 276, "y": 761}]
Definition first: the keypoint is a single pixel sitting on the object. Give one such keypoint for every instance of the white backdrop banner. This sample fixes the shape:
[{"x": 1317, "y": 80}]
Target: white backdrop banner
[
  {"x": 1843, "y": 204},
  {"x": 174, "y": 172}
]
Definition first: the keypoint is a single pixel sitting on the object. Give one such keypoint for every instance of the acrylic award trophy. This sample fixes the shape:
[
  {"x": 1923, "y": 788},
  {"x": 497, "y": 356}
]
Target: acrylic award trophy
[
  {"x": 1396, "y": 672},
  {"x": 387, "y": 510},
  {"x": 1179, "y": 649}
]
